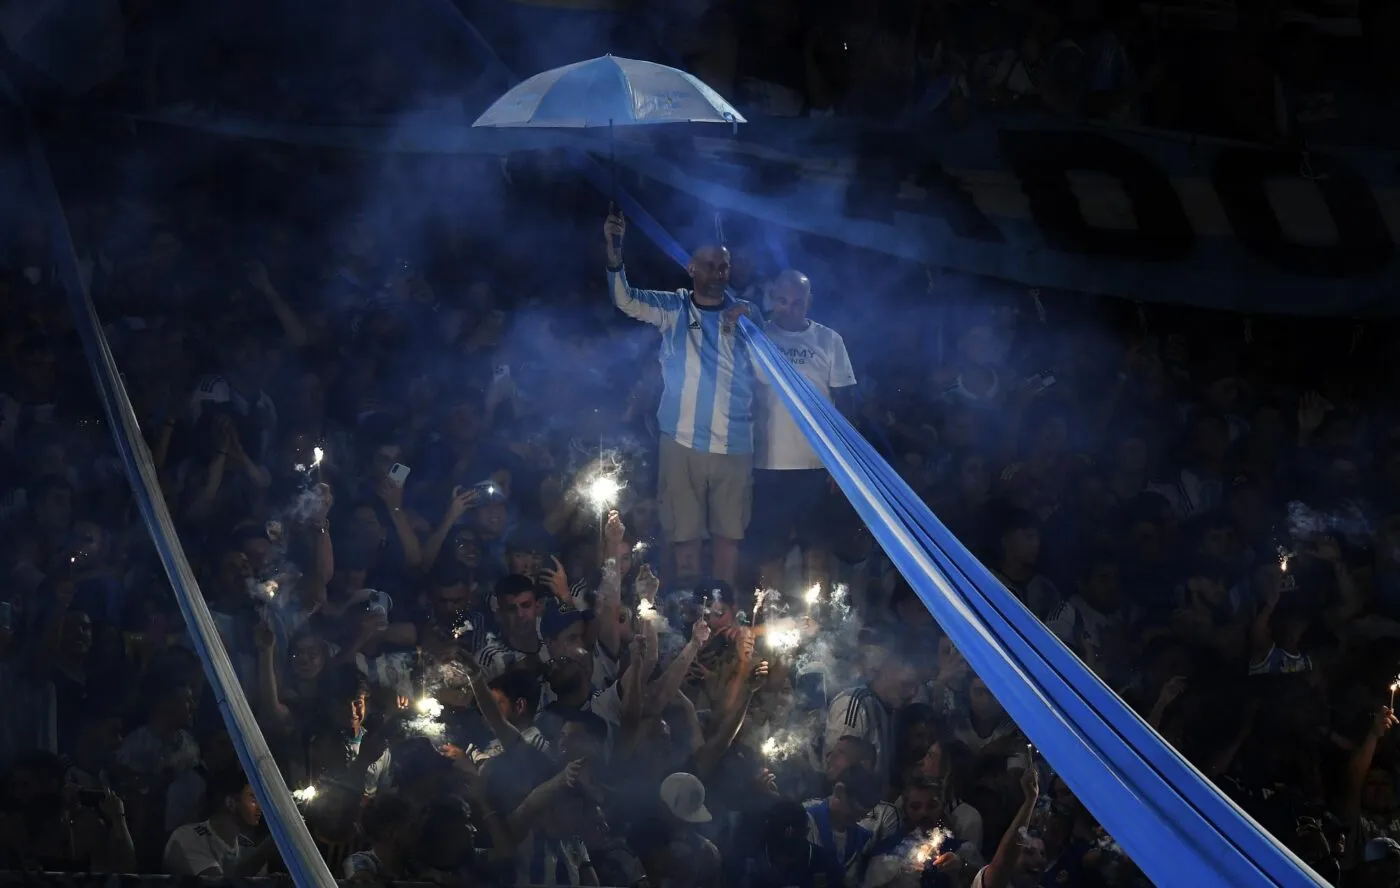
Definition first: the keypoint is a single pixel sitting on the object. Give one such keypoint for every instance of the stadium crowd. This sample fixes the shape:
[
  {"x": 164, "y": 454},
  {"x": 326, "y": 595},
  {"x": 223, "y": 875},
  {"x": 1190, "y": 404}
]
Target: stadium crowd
[
  {"x": 483, "y": 547},
  {"x": 477, "y": 662}
]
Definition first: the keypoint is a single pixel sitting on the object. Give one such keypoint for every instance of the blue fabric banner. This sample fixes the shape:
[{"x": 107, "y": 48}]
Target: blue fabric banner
[{"x": 1174, "y": 824}]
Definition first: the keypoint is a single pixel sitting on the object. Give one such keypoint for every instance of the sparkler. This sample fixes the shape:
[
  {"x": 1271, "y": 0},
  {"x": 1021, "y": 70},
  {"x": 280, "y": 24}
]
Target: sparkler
[
  {"x": 646, "y": 610},
  {"x": 428, "y": 706},
  {"x": 813, "y": 595},
  {"x": 779, "y": 747},
  {"x": 264, "y": 591},
  {"x": 304, "y": 795},
  {"x": 426, "y": 723},
  {"x": 602, "y": 492},
  {"x": 783, "y": 635},
  {"x": 1394, "y": 686},
  {"x": 1284, "y": 556},
  {"x": 929, "y": 847}
]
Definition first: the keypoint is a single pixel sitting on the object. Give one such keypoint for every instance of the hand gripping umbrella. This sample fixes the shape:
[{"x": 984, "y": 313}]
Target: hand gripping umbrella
[{"x": 608, "y": 91}]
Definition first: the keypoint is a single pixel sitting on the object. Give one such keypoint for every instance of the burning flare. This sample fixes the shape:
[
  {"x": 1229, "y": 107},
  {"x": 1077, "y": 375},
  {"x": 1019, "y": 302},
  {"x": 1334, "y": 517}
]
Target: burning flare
[{"x": 305, "y": 794}]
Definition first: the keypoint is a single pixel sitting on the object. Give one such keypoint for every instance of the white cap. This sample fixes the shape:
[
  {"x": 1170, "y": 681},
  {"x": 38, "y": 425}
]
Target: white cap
[{"x": 684, "y": 794}]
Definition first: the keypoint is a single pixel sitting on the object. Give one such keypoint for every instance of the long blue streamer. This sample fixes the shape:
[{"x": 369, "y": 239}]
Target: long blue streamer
[
  {"x": 1175, "y": 825},
  {"x": 299, "y": 852}
]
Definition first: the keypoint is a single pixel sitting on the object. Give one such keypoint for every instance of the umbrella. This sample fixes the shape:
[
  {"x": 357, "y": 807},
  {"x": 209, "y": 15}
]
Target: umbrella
[{"x": 608, "y": 92}]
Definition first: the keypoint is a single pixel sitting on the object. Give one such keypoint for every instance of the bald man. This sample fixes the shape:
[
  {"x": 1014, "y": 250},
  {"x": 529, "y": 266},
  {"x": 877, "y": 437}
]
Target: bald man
[
  {"x": 705, "y": 485},
  {"x": 797, "y": 505}
]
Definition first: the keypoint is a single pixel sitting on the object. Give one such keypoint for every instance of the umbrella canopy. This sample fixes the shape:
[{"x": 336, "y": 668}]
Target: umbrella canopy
[{"x": 608, "y": 91}]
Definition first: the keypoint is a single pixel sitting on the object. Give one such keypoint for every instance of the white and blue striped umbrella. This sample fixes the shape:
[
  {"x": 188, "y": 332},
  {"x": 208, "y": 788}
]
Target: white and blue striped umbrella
[{"x": 608, "y": 91}]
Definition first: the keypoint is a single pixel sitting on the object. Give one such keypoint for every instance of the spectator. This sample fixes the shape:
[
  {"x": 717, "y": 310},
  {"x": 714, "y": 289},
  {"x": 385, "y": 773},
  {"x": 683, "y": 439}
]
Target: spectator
[
  {"x": 706, "y": 459},
  {"x": 221, "y": 846}
]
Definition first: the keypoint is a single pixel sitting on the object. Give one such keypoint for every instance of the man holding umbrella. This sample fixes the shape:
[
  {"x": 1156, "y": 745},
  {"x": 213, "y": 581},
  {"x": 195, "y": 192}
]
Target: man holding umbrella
[{"x": 705, "y": 486}]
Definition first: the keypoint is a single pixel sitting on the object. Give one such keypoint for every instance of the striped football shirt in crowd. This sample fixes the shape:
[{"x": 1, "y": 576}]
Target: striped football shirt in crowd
[
  {"x": 708, "y": 375},
  {"x": 859, "y": 713}
]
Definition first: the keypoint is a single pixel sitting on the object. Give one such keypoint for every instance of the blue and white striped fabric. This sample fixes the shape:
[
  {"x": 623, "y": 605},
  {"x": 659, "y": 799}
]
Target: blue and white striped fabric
[{"x": 709, "y": 379}]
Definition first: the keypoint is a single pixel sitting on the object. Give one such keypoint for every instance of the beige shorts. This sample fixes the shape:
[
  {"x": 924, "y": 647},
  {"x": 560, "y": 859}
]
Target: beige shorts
[{"x": 700, "y": 495}]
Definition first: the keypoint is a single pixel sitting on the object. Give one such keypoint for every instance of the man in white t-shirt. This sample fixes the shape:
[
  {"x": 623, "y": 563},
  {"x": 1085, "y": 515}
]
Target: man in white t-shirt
[
  {"x": 794, "y": 501},
  {"x": 219, "y": 847}
]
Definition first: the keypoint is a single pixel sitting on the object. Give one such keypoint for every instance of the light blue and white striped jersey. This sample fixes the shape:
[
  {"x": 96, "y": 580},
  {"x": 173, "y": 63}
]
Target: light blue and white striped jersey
[{"x": 708, "y": 373}]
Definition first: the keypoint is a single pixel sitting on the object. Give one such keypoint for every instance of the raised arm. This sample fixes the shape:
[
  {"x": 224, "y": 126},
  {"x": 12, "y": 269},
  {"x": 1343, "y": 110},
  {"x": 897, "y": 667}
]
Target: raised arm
[{"x": 656, "y": 307}]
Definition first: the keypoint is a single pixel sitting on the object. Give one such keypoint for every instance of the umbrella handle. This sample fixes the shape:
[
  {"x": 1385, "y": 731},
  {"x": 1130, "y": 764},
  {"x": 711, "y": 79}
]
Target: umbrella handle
[{"x": 614, "y": 241}]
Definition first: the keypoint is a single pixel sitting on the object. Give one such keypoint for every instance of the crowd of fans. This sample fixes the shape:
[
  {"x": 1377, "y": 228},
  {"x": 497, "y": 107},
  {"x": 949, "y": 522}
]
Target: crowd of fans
[
  {"x": 380, "y": 422},
  {"x": 381, "y": 456}
]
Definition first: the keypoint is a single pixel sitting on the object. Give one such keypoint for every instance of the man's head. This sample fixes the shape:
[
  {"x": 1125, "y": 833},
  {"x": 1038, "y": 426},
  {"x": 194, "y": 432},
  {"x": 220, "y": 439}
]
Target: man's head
[
  {"x": 709, "y": 272},
  {"x": 76, "y": 637},
  {"x": 791, "y": 299},
  {"x": 172, "y": 703},
  {"x": 1099, "y": 580},
  {"x": 310, "y": 652},
  {"x": 856, "y": 792},
  {"x": 849, "y": 752},
  {"x": 1020, "y": 538},
  {"x": 562, "y": 631},
  {"x": 450, "y": 596},
  {"x": 1030, "y": 866},
  {"x": 517, "y": 695},
  {"x": 895, "y": 681},
  {"x": 492, "y": 519},
  {"x": 344, "y": 694},
  {"x": 517, "y": 605},
  {"x": 230, "y": 795},
  {"x": 923, "y": 802},
  {"x": 234, "y": 573}
]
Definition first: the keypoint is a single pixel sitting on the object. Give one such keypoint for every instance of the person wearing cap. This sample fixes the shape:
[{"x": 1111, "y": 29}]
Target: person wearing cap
[
  {"x": 682, "y": 797},
  {"x": 705, "y": 418}
]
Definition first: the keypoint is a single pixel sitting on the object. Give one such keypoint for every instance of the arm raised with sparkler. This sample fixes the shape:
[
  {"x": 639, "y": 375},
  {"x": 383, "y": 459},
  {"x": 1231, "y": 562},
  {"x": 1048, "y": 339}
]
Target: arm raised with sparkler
[
  {"x": 610, "y": 606},
  {"x": 1359, "y": 765},
  {"x": 731, "y": 719},
  {"x": 272, "y": 712},
  {"x": 504, "y": 731},
  {"x": 998, "y": 873},
  {"x": 664, "y": 689}
]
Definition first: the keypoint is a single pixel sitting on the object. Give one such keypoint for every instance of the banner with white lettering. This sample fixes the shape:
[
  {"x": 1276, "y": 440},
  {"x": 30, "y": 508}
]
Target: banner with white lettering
[{"x": 1143, "y": 214}]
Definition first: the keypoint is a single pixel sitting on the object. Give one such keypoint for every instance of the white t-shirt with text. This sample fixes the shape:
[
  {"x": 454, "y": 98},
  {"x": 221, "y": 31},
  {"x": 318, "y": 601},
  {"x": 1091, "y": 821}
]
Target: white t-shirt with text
[{"x": 819, "y": 354}]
